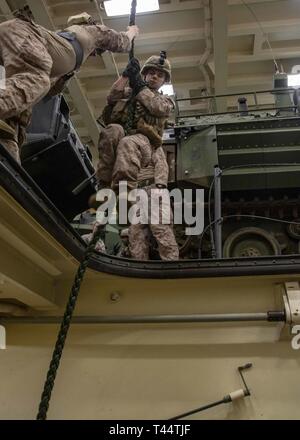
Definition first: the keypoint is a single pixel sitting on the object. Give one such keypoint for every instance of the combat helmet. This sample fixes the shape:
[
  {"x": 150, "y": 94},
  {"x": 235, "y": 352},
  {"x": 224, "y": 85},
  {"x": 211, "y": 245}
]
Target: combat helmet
[{"x": 159, "y": 62}]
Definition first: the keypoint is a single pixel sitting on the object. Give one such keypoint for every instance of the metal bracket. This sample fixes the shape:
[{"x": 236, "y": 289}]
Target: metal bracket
[
  {"x": 291, "y": 299},
  {"x": 240, "y": 370},
  {"x": 2, "y": 338}
]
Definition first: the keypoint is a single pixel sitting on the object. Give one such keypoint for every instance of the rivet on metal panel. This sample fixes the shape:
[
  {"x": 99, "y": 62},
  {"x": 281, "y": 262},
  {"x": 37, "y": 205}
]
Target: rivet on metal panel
[{"x": 115, "y": 296}]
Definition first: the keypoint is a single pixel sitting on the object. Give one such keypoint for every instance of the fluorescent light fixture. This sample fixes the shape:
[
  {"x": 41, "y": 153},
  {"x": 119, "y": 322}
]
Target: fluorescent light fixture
[
  {"x": 167, "y": 89},
  {"x": 294, "y": 80},
  {"x": 123, "y": 7}
]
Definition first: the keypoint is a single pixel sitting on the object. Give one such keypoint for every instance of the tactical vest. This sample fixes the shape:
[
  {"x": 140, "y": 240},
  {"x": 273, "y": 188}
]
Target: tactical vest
[{"x": 142, "y": 121}]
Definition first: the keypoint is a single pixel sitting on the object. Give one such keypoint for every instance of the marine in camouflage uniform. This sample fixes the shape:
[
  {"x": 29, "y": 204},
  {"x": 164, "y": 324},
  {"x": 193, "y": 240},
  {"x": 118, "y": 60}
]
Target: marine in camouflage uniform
[
  {"x": 135, "y": 117},
  {"x": 130, "y": 148},
  {"x": 140, "y": 235},
  {"x": 37, "y": 60}
]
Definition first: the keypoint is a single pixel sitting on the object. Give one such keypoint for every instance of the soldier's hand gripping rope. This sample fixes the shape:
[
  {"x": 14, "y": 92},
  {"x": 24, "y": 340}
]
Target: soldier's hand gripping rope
[
  {"x": 132, "y": 69},
  {"x": 132, "y": 72}
]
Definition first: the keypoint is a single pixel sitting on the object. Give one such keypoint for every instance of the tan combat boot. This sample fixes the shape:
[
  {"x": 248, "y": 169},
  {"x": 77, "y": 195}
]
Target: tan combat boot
[{"x": 6, "y": 131}]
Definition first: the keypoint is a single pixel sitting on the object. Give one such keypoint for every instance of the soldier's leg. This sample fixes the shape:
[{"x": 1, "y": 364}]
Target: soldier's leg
[
  {"x": 8, "y": 139},
  {"x": 27, "y": 67},
  {"x": 12, "y": 147},
  {"x": 133, "y": 152},
  {"x": 161, "y": 167},
  {"x": 167, "y": 245},
  {"x": 163, "y": 233},
  {"x": 139, "y": 238},
  {"x": 14, "y": 140},
  {"x": 107, "y": 146}
]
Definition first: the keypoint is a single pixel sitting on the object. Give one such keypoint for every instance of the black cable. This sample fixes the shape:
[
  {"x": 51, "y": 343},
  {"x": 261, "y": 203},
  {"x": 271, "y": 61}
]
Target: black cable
[
  {"x": 245, "y": 216},
  {"x": 202, "y": 408},
  {"x": 262, "y": 218},
  {"x": 265, "y": 35},
  {"x": 212, "y": 239}
]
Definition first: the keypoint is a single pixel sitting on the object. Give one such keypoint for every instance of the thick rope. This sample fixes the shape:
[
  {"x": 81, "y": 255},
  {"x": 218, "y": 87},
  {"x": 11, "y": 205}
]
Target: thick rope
[
  {"x": 132, "y": 104},
  {"x": 62, "y": 335},
  {"x": 131, "y": 23}
]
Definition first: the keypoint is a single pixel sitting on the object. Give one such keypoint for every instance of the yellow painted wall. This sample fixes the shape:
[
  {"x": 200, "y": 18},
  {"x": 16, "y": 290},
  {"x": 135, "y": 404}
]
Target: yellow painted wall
[{"x": 156, "y": 371}]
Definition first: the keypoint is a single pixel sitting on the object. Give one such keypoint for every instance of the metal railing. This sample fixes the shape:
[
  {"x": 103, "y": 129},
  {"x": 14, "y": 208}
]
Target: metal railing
[{"x": 253, "y": 108}]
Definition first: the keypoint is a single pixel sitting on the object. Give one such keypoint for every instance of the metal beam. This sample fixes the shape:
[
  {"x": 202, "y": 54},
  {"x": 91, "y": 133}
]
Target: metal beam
[
  {"x": 270, "y": 26},
  {"x": 258, "y": 43},
  {"x": 266, "y": 55},
  {"x": 170, "y": 36},
  {"x": 238, "y": 2},
  {"x": 174, "y": 6},
  {"x": 277, "y": 316},
  {"x": 177, "y": 62},
  {"x": 220, "y": 37},
  {"x": 42, "y": 16},
  {"x": 168, "y": 8}
]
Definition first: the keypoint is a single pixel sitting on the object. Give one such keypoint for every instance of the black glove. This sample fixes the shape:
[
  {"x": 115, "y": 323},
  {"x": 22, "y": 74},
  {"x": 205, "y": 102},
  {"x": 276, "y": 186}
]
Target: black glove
[
  {"x": 137, "y": 84},
  {"x": 132, "y": 68}
]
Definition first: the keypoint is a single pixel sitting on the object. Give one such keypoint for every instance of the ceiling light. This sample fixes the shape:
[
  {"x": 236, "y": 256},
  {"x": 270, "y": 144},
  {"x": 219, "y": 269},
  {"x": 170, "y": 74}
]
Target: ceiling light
[
  {"x": 167, "y": 89},
  {"x": 293, "y": 80},
  {"x": 123, "y": 7}
]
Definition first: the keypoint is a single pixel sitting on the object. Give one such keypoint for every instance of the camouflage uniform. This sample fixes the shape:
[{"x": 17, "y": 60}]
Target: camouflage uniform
[
  {"x": 99, "y": 246},
  {"x": 140, "y": 234},
  {"x": 35, "y": 59},
  {"x": 138, "y": 157},
  {"x": 121, "y": 157}
]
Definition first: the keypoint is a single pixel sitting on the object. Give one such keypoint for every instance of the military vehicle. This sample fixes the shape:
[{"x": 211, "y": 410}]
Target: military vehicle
[{"x": 250, "y": 157}]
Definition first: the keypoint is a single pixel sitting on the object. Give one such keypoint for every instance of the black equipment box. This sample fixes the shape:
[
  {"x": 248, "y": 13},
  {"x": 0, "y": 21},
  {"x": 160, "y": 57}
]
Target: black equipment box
[{"x": 55, "y": 158}]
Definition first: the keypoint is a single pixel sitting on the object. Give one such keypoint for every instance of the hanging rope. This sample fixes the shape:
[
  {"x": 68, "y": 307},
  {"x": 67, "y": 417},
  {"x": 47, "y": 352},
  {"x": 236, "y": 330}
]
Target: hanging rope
[
  {"x": 64, "y": 328},
  {"x": 131, "y": 23},
  {"x": 132, "y": 103},
  {"x": 62, "y": 335}
]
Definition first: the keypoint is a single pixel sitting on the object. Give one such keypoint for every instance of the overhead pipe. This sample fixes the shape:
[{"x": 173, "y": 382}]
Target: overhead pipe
[{"x": 271, "y": 316}]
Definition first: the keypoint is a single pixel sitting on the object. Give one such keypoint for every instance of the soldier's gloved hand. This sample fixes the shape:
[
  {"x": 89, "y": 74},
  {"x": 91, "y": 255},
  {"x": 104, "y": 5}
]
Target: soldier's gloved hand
[
  {"x": 137, "y": 84},
  {"x": 132, "y": 68}
]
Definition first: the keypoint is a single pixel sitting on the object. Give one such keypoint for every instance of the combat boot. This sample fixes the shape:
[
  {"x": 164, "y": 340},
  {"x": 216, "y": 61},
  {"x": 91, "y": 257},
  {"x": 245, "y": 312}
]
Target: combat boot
[{"x": 6, "y": 131}]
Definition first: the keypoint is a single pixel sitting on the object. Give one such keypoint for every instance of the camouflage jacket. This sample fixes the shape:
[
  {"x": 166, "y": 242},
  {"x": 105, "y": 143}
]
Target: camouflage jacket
[{"x": 150, "y": 108}]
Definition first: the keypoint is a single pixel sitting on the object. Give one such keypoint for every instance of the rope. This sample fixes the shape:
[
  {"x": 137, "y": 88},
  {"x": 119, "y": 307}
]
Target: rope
[
  {"x": 62, "y": 335},
  {"x": 132, "y": 104},
  {"x": 64, "y": 328},
  {"x": 131, "y": 23}
]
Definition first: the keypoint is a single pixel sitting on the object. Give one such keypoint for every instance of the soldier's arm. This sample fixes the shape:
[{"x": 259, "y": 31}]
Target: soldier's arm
[
  {"x": 109, "y": 39},
  {"x": 119, "y": 90},
  {"x": 157, "y": 105}
]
